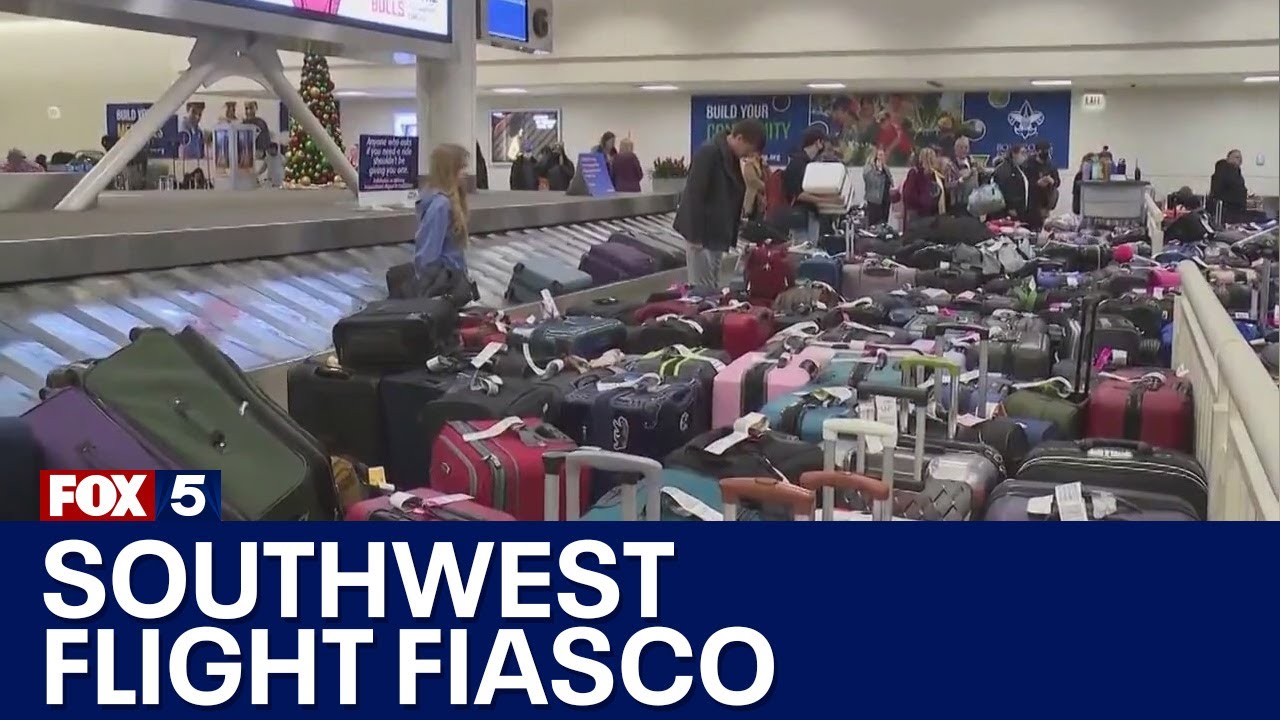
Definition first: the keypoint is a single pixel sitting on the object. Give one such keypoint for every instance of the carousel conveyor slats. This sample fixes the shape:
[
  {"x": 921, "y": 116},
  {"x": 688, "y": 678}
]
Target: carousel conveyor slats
[{"x": 263, "y": 313}]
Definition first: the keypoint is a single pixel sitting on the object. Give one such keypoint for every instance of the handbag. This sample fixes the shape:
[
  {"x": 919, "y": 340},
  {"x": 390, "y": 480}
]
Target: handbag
[{"x": 986, "y": 200}]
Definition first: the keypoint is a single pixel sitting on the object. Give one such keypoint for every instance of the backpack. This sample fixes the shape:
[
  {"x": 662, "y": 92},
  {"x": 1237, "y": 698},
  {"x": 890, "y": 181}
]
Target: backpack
[{"x": 775, "y": 194}]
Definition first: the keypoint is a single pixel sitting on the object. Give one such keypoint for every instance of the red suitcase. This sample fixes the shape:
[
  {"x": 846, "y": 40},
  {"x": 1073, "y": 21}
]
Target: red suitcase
[
  {"x": 738, "y": 330},
  {"x": 423, "y": 504},
  {"x": 768, "y": 271},
  {"x": 1152, "y": 405},
  {"x": 478, "y": 329},
  {"x": 499, "y": 463}
]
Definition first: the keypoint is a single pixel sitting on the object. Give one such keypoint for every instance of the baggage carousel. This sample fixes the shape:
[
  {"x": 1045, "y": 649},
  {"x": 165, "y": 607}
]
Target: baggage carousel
[{"x": 77, "y": 283}]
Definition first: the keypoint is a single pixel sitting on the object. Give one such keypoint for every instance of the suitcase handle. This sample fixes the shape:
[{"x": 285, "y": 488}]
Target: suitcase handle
[
  {"x": 816, "y": 480},
  {"x": 932, "y": 362},
  {"x": 734, "y": 490},
  {"x": 1137, "y": 446},
  {"x": 835, "y": 428},
  {"x": 650, "y": 472},
  {"x": 982, "y": 330},
  {"x": 915, "y": 395}
]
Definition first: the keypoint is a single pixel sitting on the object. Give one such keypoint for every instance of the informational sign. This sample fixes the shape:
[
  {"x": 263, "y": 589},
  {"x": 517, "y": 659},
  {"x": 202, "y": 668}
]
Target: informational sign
[
  {"x": 509, "y": 19},
  {"x": 513, "y": 132},
  {"x": 388, "y": 170},
  {"x": 123, "y": 116},
  {"x": 1003, "y": 119},
  {"x": 416, "y": 17},
  {"x": 594, "y": 170},
  {"x": 785, "y": 118},
  {"x": 1093, "y": 101}
]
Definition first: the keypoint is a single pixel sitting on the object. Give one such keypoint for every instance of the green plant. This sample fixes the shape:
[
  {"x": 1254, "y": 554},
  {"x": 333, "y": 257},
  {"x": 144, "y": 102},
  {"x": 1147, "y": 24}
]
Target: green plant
[{"x": 669, "y": 168}]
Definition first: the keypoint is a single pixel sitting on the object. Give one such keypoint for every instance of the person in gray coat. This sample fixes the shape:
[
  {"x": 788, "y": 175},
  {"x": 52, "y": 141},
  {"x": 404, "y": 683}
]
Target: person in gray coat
[
  {"x": 710, "y": 212},
  {"x": 877, "y": 183}
]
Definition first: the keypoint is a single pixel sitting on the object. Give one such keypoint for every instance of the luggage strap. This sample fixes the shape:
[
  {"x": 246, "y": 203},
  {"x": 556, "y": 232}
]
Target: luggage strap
[{"x": 1059, "y": 385}]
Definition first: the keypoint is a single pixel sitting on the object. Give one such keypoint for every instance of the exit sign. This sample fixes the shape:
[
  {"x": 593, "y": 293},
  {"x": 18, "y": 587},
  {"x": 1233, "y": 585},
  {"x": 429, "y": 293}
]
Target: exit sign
[{"x": 1093, "y": 101}]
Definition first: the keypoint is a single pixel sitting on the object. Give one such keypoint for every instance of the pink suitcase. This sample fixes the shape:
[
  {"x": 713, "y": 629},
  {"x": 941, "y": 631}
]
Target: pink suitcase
[
  {"x": 1163, "y": 278},
  {"x": 754, "y": 379}
]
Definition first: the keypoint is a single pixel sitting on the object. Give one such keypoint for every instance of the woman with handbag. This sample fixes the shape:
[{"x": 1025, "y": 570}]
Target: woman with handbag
[
  {"x": 877, "y": 183},
  {"x": 924, "y": 192}
]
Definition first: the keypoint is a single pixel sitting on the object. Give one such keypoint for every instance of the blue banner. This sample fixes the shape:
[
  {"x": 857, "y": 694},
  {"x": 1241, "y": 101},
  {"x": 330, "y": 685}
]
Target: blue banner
[
  {"x": 1000, "y": 119},
  {"x": 388, "y": 162},
  {"x": 621, "y": 621},
  {"x": 122, "y": 116},
  {"x": 594, "y": 169},
  {"x": 785, "y": 118}
]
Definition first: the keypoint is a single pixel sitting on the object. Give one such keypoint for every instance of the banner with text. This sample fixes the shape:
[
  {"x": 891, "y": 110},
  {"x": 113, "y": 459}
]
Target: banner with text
[
  {"x": 785, "y": 118},
  {"x": 388, "y": 170},
  {"x": 123, "y": 116},
  {"x": 1001, "y": 119}
]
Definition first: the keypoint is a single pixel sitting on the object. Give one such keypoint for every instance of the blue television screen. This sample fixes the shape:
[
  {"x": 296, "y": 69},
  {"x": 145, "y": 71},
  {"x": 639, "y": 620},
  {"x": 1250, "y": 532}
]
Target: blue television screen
[{"x": 509, "y": 19}]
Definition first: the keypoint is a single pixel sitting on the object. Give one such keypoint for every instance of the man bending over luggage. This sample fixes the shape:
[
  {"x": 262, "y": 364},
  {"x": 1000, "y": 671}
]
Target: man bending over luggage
[
  {"x": 438, "y": 246},
  {"x": 711, "y": 205}
]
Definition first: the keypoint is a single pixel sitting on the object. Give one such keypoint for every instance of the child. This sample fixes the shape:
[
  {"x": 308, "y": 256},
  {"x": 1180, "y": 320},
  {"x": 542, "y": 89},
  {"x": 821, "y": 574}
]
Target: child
[{"x": 273, "y": 166}]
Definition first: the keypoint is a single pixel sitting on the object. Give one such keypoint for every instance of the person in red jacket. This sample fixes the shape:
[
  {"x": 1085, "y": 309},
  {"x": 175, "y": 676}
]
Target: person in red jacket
[
  {"x": 627, "y": 171},
  {"x": 924, "y": 192}
]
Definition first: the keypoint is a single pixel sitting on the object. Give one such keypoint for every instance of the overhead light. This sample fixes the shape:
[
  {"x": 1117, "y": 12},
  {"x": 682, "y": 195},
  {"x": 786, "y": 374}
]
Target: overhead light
[
  {"x": 509, "y": 91},
  {"x": 1050, "y": 83},
  {"x": 351, "y": 93},
  {"x": 1262, "y": 78},
  {"x": 659, "y": 88},
  {"x": 826, "y": 86}
]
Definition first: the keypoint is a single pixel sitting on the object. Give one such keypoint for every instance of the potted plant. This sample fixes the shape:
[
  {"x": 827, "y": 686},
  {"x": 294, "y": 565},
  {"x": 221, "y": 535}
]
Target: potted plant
[{"x": 669, "y": 175}]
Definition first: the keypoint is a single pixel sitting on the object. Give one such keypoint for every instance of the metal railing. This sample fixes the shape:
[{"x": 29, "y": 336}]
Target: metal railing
[
  {"x": 1237, "y": 405},
  {"x": 1155, "y": 224}
]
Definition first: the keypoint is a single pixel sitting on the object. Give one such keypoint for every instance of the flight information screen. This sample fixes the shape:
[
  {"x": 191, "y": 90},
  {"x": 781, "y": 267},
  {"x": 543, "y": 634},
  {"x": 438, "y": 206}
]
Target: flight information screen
[
  {"x": 406, "y": 17},
  {"x": 509, "y": 19}
]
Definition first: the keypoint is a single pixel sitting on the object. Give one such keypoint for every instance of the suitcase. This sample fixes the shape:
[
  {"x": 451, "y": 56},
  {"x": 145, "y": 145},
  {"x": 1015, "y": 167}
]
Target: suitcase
[
  {"x": 802, "y": 413},
  {"x": 403, "y": 397},
  {"x": 341, "y": 408},
  {"x": 636, "y": 477},
  {"x": 1021, "y": 346},
  {"x": 477, "y": 329},
  {"x": 423, "y": 504},
  {"x": 392, "y": 335},
  {"x": 737, "y": 331},
  {"x": 499, "y": 463},
  {"x": 825, "y": 178},
  {"x": 753, "y": 379},
  {"x": 762, "y": 452},
  {"x": 1144, "y": 311},
  {"x": 584, "y": 337},
  {"x": 536, "y": 273},
  {"x": 768, "y": 271},
  {"x": 22, "y": 457},
  {"x": 1120, "y": 465},
  {"x": 807, "y": 297},
  {"x": 681, "y": 307},
  {"x": 74, "y": 431},
  {"x": 697, "y": 364},
  {"x": 610, "y": 262},
  {"x": 822, "y": 268},
  {"x": 665, "y": 332},
  {"x": 485, "y": 397},
  {"x": 667, "y": 256},
  {"x": 954, "y": 281},
  {"x": 872, "y": 277},
  {"x": 650, "y": 418},
  {"x": 191, "y": 403},
  {"x": 1148, "y": 404},
  {"x": 608, "y": 307},
  {"x": 1012, "y": 501}
]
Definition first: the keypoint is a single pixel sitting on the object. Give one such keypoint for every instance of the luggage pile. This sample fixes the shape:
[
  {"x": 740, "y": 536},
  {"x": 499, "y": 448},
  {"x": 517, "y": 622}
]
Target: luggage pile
[
  {"x": 622, "y": 257},
  {"x": 962, "y": 372}
]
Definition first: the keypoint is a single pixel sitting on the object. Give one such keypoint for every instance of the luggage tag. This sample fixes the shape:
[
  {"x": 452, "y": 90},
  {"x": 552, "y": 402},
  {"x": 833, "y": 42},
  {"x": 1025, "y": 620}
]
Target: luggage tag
[
  {"x": 1070, "y": 501},
  {"x": 411, "y": 504},
  {"x": 377, "y": 479},
  {"x": 743, "y": 429},
  {"x": 549, "y": 304},
  {"x": 690, "y": 506},
  {"x": 646, "y": 379},
  {"x": 828, "y": 396},
  {"x": 484, "y": 356},
  {"x": 494, "y": 430},
  {"x": 1058, "y": 385},
  {"x": 1104, "y": 504}
]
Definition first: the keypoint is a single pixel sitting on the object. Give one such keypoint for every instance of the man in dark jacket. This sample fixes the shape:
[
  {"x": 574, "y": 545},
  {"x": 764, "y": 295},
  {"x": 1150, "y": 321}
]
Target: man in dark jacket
[
  {"x": 557, "y": 168},
  {"x": 711, "y": 205},
  {"x": 1014, "y": 184},
  {"x": 1227, "y": 187},
  {"x": 803, "y": 220},
  {"x": 1044, "y": 182}
]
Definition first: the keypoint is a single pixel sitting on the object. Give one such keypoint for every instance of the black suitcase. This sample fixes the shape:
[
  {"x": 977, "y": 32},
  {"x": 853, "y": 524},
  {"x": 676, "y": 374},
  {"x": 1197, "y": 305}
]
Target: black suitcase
[
  {"x": 1145, "y": 312},
  {"x": 403, "y": 397},
  {"x": 952, "y": 280},
  {"x": 391, "y": 335},
  {"x": 341, "y": 408},
  {"x": 21, "y": 461},
  {"x": 1120, "y": 464},
  {"x": 666, "y": 255}
]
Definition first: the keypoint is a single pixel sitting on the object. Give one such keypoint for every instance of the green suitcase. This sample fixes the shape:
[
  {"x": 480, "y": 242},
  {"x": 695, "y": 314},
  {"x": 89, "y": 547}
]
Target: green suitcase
[{"x": 192, "y": 402}]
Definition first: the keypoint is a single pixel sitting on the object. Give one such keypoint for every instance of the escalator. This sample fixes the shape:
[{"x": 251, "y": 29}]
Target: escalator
[{"x": 261, "y": 313}]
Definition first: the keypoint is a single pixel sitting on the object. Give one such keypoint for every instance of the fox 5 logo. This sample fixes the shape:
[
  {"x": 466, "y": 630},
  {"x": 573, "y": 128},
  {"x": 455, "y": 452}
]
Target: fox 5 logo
[{"x": 130, "y": 495}]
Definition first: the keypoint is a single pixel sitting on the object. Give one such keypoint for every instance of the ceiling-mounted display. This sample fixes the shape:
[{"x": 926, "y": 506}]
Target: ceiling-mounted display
[{"x": 426, "y": 18}]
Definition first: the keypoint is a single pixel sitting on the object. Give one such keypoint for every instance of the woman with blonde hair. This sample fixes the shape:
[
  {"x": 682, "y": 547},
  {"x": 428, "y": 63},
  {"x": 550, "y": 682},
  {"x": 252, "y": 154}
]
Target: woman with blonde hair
[
  {"x": 924, "y": 192},
  {"x": 438, "y": 259}
]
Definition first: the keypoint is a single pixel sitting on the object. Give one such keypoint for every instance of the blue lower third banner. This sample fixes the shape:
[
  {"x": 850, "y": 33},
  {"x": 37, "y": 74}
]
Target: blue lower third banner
[{"x": 637, "y": 620}]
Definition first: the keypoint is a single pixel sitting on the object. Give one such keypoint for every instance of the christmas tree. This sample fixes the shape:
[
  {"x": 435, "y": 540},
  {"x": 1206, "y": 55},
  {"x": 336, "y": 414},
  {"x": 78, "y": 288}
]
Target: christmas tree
[{"x": 305, "y": 165}]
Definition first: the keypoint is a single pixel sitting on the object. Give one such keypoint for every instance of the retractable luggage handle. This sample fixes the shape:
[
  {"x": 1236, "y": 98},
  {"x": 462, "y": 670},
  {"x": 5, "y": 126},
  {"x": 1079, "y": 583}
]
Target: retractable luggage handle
[
  {"x": 984, "y": 360},
  {"x": 827, "y": 482},
  {"x": 938, "y": 364},
  {"x": 836, "y": 429},
  {"x": 921, "y": 397},
  {"x": 650, "y": 472},
  {"x": 799, "y": 501}
]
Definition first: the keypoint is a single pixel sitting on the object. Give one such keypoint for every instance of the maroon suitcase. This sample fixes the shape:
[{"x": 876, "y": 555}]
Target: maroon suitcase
[
  {"x": 499, "y": 463},
  {"x": 611, "y": 262},
  {"x": 423, "y": 504},
  {"x": 1151, "y": 405}
]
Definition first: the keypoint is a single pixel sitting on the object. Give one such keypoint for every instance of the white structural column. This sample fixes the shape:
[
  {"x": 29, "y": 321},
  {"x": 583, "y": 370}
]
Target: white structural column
[
  {"x": 206, "y": 57},
  {"x": 447, "y": 91},
  {"x": 267, "y": 61}
]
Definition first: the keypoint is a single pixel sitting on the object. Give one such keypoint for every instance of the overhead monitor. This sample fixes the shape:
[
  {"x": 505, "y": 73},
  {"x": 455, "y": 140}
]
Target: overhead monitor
[
  {"x": 422, "y": 18},
  {"x": 509, "y": 19}
]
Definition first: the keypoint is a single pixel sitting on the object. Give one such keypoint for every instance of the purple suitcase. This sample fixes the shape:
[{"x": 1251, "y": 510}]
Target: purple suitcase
[
  {"x": 77, "y": 433},
  {"x": 611, "y": 262}
]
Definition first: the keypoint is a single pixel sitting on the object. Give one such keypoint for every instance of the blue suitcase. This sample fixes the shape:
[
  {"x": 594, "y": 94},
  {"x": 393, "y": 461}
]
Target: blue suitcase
[
  {"x": 801, "y": 414},
  {"x": 822, "y": 268},
  {"x": 537, "y": 273},
  {"x": 580, "y": 336}
]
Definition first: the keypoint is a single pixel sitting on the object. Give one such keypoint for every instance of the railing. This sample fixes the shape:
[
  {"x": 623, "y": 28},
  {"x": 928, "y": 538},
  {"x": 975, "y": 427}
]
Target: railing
[
  {"x": 1155, "y": 223},
  {"x": 1237, "y": 405}
]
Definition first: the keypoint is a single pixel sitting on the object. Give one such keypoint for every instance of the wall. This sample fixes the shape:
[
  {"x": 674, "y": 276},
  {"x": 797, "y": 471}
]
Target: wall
[{"x": 1177, "y": 134}]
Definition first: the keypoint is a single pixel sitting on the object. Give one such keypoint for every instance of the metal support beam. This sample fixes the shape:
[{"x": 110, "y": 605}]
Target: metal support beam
[{"x": 204, "y": 61}]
